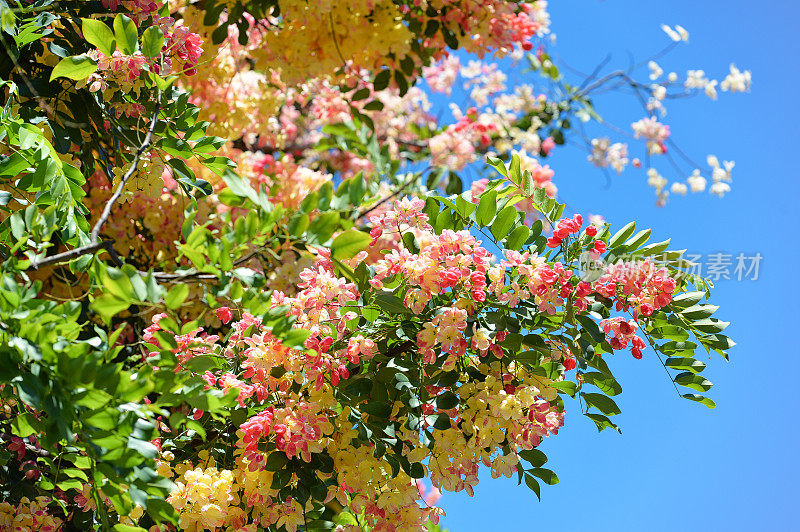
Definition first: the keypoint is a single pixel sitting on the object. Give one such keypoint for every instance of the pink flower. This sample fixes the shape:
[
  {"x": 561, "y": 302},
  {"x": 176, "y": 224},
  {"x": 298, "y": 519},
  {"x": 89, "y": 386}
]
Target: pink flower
[
  {"x": 547, "y": 145},
  {"x": 224, "y": 314},
  {"x": 599, "y": 246}
]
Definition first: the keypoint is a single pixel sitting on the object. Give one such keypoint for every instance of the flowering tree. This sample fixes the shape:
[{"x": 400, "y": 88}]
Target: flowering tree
[{"x": 245, "y": 285}]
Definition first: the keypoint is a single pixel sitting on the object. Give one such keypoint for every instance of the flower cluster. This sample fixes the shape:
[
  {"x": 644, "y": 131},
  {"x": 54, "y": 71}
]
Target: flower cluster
[
  {"x": 654, "y": 132},
  {"x": 205, "y": 498},
  {"x": 605, "y": 154},
  {"x": 640, "y": 287},
  {"x": 453, "y": 273},
  {"x": 455, "y": 146},
  {"x": 28, "y": 516},
  {"x": 621, "y": 332},
  {"x": 121, "y": 72}
]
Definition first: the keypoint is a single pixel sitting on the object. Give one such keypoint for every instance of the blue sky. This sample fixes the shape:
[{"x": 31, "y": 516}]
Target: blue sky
[{"x": 678, "y": 465}]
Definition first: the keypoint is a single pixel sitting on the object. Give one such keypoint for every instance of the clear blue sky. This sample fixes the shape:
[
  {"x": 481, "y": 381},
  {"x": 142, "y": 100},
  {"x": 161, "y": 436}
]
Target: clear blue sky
[{"x": 678, "y": 465}]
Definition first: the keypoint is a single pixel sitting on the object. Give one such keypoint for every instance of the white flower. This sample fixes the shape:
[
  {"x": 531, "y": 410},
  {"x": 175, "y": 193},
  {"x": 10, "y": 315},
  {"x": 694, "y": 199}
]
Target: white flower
[
  {"x": 711, "y": 89},
  {"x": 679, "y": 188},
  {"x": 655, "y": 103},
  {"x": 672, "y": 34},
  {"x": 672, "y": 77},
  {"x": 605, "y": 154},
  {"x": 473, "y": 69},
  {"x": 695, "y": 79},
  {"x": 736, "y": 81},
  {"x": 678, "y": 34},
  {"x": 720, "y": 173},
  {"x": 656, "y": 180},
  {"x": 697, "y": 183},
  {"x": 597, "y": 220},
  {"x": 517, "y": 54},
  {"x": 618, "y": 156},
  {"x": 720, "y": 188},
  {"x": 655, "y": 70}
]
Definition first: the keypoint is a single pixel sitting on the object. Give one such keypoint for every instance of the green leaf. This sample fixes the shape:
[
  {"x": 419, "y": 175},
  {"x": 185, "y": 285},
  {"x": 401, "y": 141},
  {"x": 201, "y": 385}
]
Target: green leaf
[
  {"x": 360, "y": 94},
  {"x": 607, "y": 384},
  {"x": 547, "y": 475},
  {"x": 374, "y": 105},
  {"x": 152, "y": 41},
  {"x": 514, "y": 169},
  {"x": 439, "y": 421},
  {"x": 602, "y": 422},
  {"x": 687, "y": 299},
  {"x": 685, "y": 364},
  {"x": 391, "y": 303},
  {"x": 604, "y": 404},
  {"x": 70, "y": 484},
  {"x": 126, "y": 34},
  {"x": 654, "y": 248},
  {"x": 487, "y": 208},
  {"x": 99, "y": 35},
  {"x": 591, "y": 328},
  {"x": 621, "y": 235},
  {"x": 237, "y": 185},
  {"x": 518, "y": 237},
  {"x": 24, "y": 425},
  {"x": 17, "y": 225},
  {"x": 527, "y": 183},
  {"x": 201, "y": 363},
  {"x": 75, "y": 473},
  {"x": 295, "y": 337},
  {"x": 695, "y": 382},
  {"x": 717, "y": 341},
  {"x": 446, "y": 401},
  {"x": 533, "y": 484},
  {"x": 638, "y": 239},
  {"x": 106, "y": 419},
  {"x": 410, "y": 242},
  {"x": 534, "y": 456},
  {"x": 275, "y": 461},
  {"x": 504, "y": 222},
  {"x": 710, "y": 325},
  {"x": 323, "y": 227},
  {"x": 349, "y": 243},
  {"x": 176, "y": 296},
  {"x": 76, "y": 67},
  {"x": 13, "y": 164},
  {"x": 109, "y": 305},
  {"x": 401, "y": 81},
  {"x": 298, "y": 224},
  {"x": 377, "y": 409},
  {"x": 498, "y": 165},
  {"x": 567, "y": 387},
  {"x": 699, "y": 311},
  {"x": 700, "y": 399},
  {"x": 382, "y": 80},
  {"x": 463, "y": 207},
  {"x": 127, "y": 528}
]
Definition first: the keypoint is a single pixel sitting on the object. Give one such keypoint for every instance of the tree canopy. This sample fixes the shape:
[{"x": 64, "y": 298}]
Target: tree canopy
[{"x": 250, "y": 280}]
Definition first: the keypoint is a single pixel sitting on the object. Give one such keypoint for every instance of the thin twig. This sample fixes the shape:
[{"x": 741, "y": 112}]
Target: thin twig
[
  {"x": 394, "y": 194},
  {"x": 96, "y": 244},
  {"x": 132, "y": 170}
]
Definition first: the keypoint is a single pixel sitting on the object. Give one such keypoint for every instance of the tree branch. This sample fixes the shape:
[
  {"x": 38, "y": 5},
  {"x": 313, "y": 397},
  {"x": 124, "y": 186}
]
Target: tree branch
[
  {"x": 77, "y": 252},
  {"x": 125, "y": 178},
  {"x": 96, "y": 244}
]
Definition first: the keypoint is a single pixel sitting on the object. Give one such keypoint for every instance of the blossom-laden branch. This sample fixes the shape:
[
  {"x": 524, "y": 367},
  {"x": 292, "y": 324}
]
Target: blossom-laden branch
[{"x": 94, "y": 236}]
